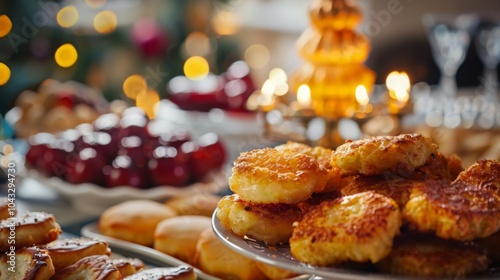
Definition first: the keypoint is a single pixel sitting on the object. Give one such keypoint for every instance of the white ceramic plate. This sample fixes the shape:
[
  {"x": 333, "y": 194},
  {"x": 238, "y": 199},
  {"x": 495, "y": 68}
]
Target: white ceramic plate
[
  {"x": 281, "y": 257},
  {"x": 93, "y": 199}
]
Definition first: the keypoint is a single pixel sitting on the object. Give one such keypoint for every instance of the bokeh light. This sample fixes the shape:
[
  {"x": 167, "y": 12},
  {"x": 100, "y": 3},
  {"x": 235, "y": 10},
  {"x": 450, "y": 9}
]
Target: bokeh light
[
  {"x": 4, "y": 74},
  {"x": 5, "y": 25},
  {"x": 134, "y": 86},
  {"x": 105, "y": 22},
  {"x": 66, "y": 55},
  {"x": 226, "y": 23},
  {"x": 95, "y": 3},
  {"x": 7, "y": 149},
  {"x": 278, "y": 75},
  {"x": 196, "y": 68},
  {"x": 67, "y": 16},
  {"x": 148, "y": 101},
  {"x": 197, "y": 43},
  {"x": 257, "y": 56}
]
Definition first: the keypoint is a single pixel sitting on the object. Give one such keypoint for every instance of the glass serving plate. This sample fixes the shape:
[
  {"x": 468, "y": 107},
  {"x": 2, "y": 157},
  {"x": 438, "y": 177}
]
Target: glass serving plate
[{"x": 280, "y": 256}]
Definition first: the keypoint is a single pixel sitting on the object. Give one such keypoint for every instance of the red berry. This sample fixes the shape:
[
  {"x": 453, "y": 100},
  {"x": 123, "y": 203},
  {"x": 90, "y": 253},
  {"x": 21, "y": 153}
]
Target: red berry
[
  {"x": 168, "y": 166},
  {"x": 85, "y": 167},
  {"x": 124, "y": 173},
  {"x": 199, "y": 160},
  {"x": 211, "y": 143}
]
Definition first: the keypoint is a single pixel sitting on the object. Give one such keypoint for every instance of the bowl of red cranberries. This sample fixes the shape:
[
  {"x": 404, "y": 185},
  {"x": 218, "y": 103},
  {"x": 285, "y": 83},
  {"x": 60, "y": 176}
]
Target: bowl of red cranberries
[{"x": 127, "y": 156}]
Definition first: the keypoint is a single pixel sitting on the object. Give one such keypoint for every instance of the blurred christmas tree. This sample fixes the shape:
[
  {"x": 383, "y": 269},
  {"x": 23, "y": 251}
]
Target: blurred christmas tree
[{"x": 100, "y": 43}]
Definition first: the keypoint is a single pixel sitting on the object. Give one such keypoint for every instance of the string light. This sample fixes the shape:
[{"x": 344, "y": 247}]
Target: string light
[
  {"x": 105, "y": 22},
  {"x": 4, "y": 74},
  {"x": 134, "y": 86},
  {"x": 148, "y": 101},
  {"x": 196, "y": 68},
  {"x": 5, "y": 25},
  {"x": 66, "y": 55},
  {"x": 67, "y": 16}
]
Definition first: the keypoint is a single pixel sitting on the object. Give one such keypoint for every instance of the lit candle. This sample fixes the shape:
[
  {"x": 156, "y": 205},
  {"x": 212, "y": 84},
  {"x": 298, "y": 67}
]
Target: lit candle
[
  {"x": 362, "y": 98},
  {"x": 304, "y": 101},
  {"x": 398, "y": 84}
]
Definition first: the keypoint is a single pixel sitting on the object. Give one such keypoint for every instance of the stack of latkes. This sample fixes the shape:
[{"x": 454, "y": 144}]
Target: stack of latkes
[{"x": 394, "y": 203}]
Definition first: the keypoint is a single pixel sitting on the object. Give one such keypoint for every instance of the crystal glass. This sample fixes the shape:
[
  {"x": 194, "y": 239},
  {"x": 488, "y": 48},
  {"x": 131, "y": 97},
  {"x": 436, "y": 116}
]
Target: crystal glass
[
  {"x": 449, "y": 37},
  {"x": 488, "y": 49}
]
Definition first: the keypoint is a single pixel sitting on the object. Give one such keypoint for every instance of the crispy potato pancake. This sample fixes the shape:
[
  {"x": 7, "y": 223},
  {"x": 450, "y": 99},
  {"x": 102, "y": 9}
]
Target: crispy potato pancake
[
  {"x": 276, "y": 176},
  {"x": 396, "y": 187},
  {"x": 378, "y": 155},
  {"x": 324, "y": 157},
  {"x": 358, "y": 227},
  {"x": 482, "y": 174},
  {"x": 270, "y": 223},
  {"x": 439, "y": 166},
  {"x": 453, "y": 210},
  {"x": 428, "y": 256}
]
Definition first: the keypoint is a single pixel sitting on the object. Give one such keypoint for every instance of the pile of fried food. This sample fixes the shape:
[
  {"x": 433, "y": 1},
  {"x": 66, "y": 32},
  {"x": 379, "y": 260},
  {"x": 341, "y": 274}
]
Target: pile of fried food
[
  {"x": 181, "y": 227},
  {"x": 37, "y": 252},
  {"x": 388, "y": 204}
]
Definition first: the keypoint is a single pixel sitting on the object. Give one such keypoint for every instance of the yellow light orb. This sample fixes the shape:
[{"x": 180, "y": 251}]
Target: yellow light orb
[
  {"x": 105, "y": 22},
  {"x": 4, "y": 74},
  {"x": 197, "y": 43},
  {"x": 5, "y": 25},
  {"x": 134, "y": 86},
  {"x": 148, "y": 102},
  {"x": 196, "y": 68},
  {"x": 278, "y": 75},
  {"x": 257, "y": 56},
  {"x": 226, "y": 23},
  {"x": 66, "y": 55},
  {"x": 67, "y": 16},
  {"x": 95, "y": 3}
]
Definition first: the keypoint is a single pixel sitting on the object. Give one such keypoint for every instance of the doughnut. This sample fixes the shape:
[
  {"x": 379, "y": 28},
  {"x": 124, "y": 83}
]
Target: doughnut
[
  {"x": 216, "y": 259},
  {"x": 34, "y": 228},
  {"x": 128, "y": 266},
  {"x": 134, "y": 221},
  {"x": 91, "y": 267},
  {"x": 358, "y": 228},
  {"x": 164, "y": 273},
  {"x": 271, "y": 175},
  {"x": 29, "y": 263},
  {"x": 425, "y": 255},
  {"x": 454, "y": 210},
  {"x": 271, "y": 223},
  {"x": 178, "y": 236},
  {"x": 381, "y": 154},
  {"x": 64, "y": 252}
]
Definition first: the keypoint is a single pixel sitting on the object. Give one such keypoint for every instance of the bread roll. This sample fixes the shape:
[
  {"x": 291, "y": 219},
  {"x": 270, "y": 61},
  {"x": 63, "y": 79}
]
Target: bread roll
[
  {"x": 215, "y": 258},
  {"x": 202, "y": 204},
  {"x": 178, "y": 236},
  {"x": 134, "y": 221}
]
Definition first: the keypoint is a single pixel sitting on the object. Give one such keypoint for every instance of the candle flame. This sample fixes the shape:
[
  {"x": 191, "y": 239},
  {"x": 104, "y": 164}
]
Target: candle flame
[
  {"x": 304, "y": 95},
  {"x": 362, "y": 95},
  {"x": 398, "y": 84}
]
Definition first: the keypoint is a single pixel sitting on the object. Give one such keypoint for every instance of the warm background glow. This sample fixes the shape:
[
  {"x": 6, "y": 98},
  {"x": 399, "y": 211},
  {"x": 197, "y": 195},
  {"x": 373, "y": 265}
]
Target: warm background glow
[
  {"x": 67, "y": 16},
  {"x": 95, "y": 3},
  {"x": 257, "y": 56},
  {"x": 5, "y": 25},
  {"x": 105, "y": 22},
  {"x": 66, "y": 55},
  {"x": 134, "y": 86},
  {"x": 4, "y": 74},
  {"x": 148, "y": 101},
  {"x": 197, "y": 43},
  {"x": 226, "y": 23},
  {"x": 196, "y": 68}
]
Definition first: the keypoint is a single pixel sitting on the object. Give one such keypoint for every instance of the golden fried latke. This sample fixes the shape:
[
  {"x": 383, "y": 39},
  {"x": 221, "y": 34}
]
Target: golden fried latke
[
  {"x": 358, "y": 227},
  {"x": 270, "y": 223},
  {"x": 439, "y": 166},
  {"x": 276, "y": 176},
  {"x": 324, "y": 157},
  {"x": 428, "y": 256},
  {"x": 453, "y": 210},
  {"x": 482, "y": 174},
  {"x": 395, "y": 187},
  {"x": 378, "y": 155}
]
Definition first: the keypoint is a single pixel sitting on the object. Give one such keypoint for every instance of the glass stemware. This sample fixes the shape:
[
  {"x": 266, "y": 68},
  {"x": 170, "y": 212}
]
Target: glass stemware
[
  {"x": 488, "y": 49},
  {"x": 449, "y": 37}
]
